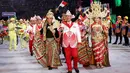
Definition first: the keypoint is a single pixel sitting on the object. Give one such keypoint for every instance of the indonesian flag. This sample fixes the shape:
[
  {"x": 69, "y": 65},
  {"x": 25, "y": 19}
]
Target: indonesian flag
[{"x": 63, "y": 4}]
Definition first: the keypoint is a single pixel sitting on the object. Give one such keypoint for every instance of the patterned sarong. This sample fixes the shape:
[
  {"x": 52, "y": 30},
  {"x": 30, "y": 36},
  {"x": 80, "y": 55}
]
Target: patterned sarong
[
  {"x": 39, "y": 50},
  {"x": 46, "y": 53},
  {"x": 52, "y": 51},
  {"x": 84, "y": 53}
]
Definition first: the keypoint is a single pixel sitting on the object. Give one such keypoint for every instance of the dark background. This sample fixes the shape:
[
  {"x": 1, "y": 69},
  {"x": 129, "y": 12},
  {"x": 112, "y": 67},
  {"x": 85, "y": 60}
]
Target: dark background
[{"x": 28, "y": 8}]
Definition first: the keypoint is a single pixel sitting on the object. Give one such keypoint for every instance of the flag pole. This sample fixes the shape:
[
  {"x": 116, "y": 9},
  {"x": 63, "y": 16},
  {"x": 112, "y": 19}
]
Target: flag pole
[{"x": 59, "y": 5}]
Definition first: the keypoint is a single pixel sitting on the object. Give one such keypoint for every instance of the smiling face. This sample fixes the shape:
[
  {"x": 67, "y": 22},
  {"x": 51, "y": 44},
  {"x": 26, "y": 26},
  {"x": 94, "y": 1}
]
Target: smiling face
[
  {"x": 97, "y": 19},
  {"x": 63, "y": 17},
  {"x": 32, "y": 21},
  {"x": 39, "y": 21},
  {"x": 68, "y": 18}
]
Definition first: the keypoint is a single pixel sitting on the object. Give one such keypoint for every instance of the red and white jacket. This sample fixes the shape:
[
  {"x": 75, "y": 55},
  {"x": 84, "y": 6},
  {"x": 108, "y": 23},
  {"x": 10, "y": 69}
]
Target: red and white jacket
[
  {"x": 71, "y": 34},
  {"x": 38, "y": 27},
  {"x": 31, "y": 29}
]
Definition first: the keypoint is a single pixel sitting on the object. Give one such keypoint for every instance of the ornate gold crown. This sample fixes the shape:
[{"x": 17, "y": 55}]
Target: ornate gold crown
[{"x": 96, "y": 10}]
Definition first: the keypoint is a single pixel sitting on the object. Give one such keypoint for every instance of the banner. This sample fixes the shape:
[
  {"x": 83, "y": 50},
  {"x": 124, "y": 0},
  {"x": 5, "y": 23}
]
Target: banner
[{"x": 7, "y": 14}]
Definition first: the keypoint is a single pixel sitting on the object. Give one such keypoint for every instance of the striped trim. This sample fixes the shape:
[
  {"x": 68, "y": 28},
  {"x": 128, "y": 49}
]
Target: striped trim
[
  {"x": 97, "y": 44},
  {"x": 98, "y": 47},
  {"x": 100, "y": 51}
]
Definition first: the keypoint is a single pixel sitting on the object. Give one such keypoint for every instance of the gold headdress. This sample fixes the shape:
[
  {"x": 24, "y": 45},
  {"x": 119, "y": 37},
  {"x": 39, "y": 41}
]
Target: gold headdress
[
  {"x": 50, "y": 14},
  {"x": 96, "y": 10}
]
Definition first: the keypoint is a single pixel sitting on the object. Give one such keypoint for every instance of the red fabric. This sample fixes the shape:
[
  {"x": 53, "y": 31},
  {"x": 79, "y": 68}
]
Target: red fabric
[
  {"x": 39, "y": 27},
  {"x": 80, "y": 23},
  {"x": 65, "y": 39},
  {"x": 5, "y": 27},
  {"x": 71, "y": 52},
  {"x": 113, "y": 25},
  {"x": 99, "y": 57},
  {"x": 69, "y": 25},
  {"x": 69, "y": 40},
  {"x": 30, "y": 46},
  {"x": 93, "y": 24},
  {"x": 5, "y": 32},
  {"x": 31, "y": 34},
  {"x": 63, "y": 3},
  {"x": 73, "y": 39},
  {"x": 81, "y": 17},
  {"x": 41, "y": 36}
]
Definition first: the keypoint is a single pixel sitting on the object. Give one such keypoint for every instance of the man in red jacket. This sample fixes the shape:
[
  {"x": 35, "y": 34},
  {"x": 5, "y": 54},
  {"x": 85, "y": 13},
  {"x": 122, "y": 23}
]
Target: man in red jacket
[{"x": 71, "y": 40}]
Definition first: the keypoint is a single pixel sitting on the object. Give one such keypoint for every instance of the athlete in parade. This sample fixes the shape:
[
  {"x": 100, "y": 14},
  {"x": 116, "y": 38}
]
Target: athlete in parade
[{"x": 72, "y": 33}]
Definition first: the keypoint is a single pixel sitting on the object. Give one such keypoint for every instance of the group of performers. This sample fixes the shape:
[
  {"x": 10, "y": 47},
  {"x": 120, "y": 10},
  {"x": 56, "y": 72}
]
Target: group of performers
[
  {"x": 17, "y": 29},
  {"x": 48, "y": 35},
  {"x": 74, "y": 36},
  {"x": 122, "y": 29}
]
